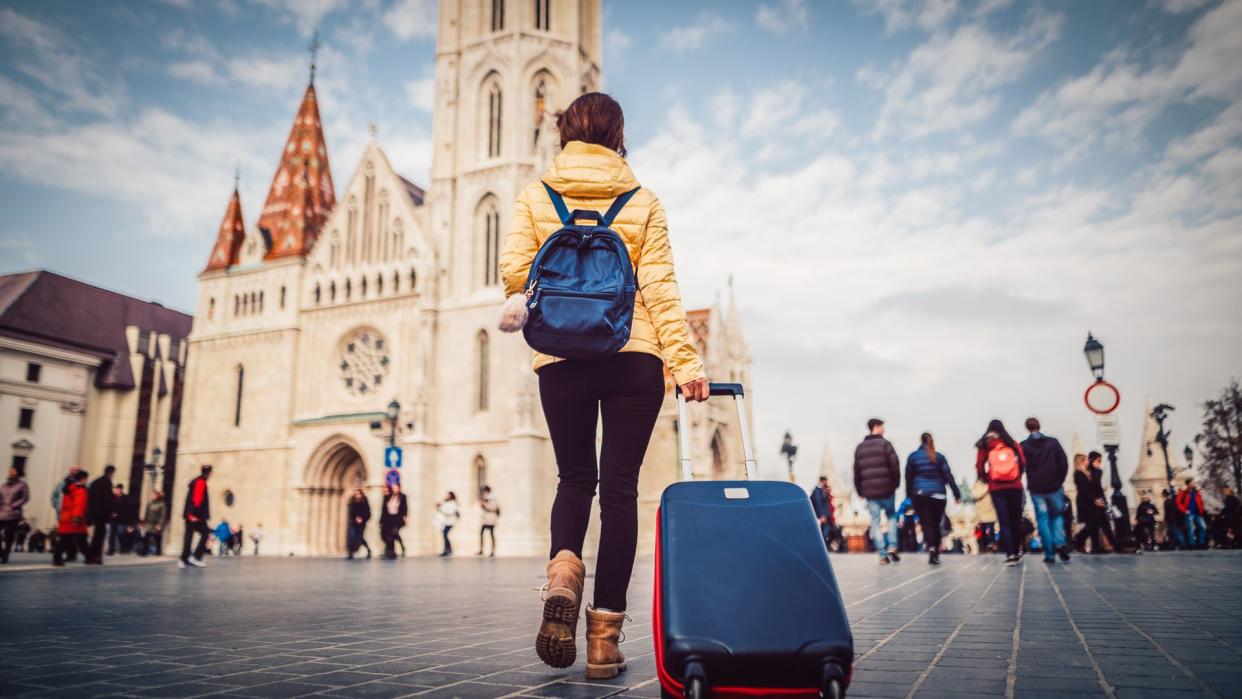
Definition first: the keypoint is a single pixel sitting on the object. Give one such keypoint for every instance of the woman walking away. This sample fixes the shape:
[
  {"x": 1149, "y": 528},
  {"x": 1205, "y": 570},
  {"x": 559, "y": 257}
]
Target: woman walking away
[
  {"x": 927, "y": 475},
  {"x": 1092, "y": 507},
  {"x": 591, "y": 173},
  {"x": 72, "y": 527},
  {"x": 359, "y": 512},
  {"x": 1000, "y": 463},
  {"x": 447, "y": 515},
  {"x": 14, "y": 494},
  {"x": 392, "y": 518}
]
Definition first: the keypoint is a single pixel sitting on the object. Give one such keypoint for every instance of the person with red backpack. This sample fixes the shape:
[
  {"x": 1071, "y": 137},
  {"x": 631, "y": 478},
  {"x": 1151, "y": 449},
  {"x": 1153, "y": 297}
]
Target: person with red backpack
[{"x": 1001, "y": 463}]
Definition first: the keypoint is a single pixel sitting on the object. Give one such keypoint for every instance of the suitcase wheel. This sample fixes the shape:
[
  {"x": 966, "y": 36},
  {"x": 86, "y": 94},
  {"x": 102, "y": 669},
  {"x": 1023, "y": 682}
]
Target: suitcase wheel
[
  {"x": 833, "y": 690},
  {"x": 695, "y": 689}
]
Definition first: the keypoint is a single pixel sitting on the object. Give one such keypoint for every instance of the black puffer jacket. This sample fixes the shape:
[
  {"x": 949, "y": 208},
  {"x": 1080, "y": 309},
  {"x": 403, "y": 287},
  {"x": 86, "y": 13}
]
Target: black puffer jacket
[
  {"x": 1046, "y": 464},
  {"x": 877, "y": 470}
]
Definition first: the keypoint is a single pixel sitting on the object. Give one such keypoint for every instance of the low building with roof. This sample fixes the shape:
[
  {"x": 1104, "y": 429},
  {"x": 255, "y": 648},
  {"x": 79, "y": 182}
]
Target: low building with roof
[{"x": 88, "y": 377}]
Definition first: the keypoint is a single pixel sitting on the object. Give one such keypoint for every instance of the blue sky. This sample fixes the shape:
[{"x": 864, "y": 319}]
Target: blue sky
[{"x": 924, "y": 206}]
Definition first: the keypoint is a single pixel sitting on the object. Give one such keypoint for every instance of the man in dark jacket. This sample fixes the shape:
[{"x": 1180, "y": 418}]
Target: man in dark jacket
[
  {"x": 1145, "y": 523},
  {"x": 877, "y": 473},
  {"x": 821, "y": 502},
  {"x": 1046, "y": 468},
  {"x": 100, "y": 502},
  {"x": 196, "y": 511},
  {"x": 1174, "y": 522}
]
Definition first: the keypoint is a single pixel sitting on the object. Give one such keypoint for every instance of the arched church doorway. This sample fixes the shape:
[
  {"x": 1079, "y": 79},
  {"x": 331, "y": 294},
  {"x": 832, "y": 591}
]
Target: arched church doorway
[
  {"x": 718, "y": 457},
  {"x": 332, "y": 475}
]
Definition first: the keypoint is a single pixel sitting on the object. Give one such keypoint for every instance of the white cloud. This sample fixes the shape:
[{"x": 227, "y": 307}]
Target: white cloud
[
  {"x": 696, "y": 34},
  {"x": 951, "y": 81},
  {"x": 307, "y": 15},
  {"x": 783, "y": 16},
  {"x": 55, "y": 61},
  {"x": 15, "y": 244},
  {"x": 785, "y": 110},
  {"x": 1180, "y": 6},
  {"x": 410, "y": 18},
  {"x": 898, "y": 15},
  {"x": 200, "y": 72},
  {"x": 1127, "y": 95},
  {"x": 421, "y": 93},
  {"x": 616, "y": 45}
]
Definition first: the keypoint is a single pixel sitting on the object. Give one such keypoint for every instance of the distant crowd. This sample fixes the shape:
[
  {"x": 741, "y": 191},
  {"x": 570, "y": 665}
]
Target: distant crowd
[{"x": 1001, "y": 496}]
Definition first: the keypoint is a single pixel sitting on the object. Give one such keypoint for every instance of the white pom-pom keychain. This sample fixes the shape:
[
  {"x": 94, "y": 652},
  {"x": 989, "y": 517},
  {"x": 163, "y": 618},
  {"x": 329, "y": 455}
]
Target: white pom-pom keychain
[{"x": 513, "y": 313}]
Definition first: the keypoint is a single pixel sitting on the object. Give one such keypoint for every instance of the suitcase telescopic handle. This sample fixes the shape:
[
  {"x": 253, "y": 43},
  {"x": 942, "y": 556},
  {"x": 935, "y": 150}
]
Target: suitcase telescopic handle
[{"x": 683, "y": 435}]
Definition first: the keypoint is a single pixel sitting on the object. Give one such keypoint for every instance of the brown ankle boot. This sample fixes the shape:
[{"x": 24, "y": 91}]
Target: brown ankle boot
[
  {"x": 556, "y": 641},
  {"x": 604, "y": 658}
]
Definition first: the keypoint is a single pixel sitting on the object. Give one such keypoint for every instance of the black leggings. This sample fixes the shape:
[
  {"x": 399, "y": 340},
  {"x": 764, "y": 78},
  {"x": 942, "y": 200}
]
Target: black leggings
[
  {"x": 1008, "y": 505},
  {"x": 931, "y": 512},
  {"x": 629, "y": 388}
]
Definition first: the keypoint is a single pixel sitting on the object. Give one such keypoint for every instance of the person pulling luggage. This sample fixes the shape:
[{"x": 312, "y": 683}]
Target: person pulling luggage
[{"x": 582, "y": 281}]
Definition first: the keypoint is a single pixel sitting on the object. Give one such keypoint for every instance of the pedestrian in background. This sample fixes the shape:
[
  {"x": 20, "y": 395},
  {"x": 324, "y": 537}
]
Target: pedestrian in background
[
  {"x": 1000, "y": 463},
  {"x": 256, "y": 535},
  {"x": 126, "y": 519},
  {"x": 985, "y": 512},
  {"x": 359, "y": 513},
  {"x": 196, "y": 511},
  {"x": 392, "y": 518},
  {"x": 1092, "y": 505},
  {"x": 927, "y": 479},
  {"x": 14, "y": 495},
  {"x": 1174, "y": 522},
  {"x": 224, "y": 538},
  {"x": 1046, "y": 469},
  {"x": 877, "y": 473},
  {"x": 153, "y": 524},
  {"x": 446, "y": 518},
  {"x": 1145, "y": 524},
  {"x": 71, "y": 529},
  {"x": 490, "y": 516},
  {"x": 1231, "y": 512},
  {"x": 1190, "y": 502},
  {"x": 99, "y": 507},
  {"x": 821, "y": 503},
  {"x": 58, "y": 491}
]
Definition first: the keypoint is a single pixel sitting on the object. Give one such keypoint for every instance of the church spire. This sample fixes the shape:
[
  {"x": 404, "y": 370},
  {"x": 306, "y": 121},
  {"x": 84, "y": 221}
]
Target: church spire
[
  {"x": 229, "y": 238},
  {"x": 301, "y": 195}
]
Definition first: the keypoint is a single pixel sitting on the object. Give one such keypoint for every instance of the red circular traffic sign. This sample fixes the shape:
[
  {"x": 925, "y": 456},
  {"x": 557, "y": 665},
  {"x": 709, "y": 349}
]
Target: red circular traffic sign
[{"x": 1102, "y": 397}]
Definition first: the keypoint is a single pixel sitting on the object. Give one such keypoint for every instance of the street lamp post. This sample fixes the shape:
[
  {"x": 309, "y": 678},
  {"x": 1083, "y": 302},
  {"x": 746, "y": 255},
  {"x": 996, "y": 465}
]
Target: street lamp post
[
  {"x": 1093, "y": 350},
  {"x": 1160, "y": 413},
  {"x": 789, "y": 450},
  {"x": 394, "y": 411}
]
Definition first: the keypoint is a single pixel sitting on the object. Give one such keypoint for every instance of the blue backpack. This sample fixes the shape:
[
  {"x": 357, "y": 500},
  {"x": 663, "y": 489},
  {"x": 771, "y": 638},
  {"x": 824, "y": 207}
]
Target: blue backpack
[{"x": 580, "y": 290}]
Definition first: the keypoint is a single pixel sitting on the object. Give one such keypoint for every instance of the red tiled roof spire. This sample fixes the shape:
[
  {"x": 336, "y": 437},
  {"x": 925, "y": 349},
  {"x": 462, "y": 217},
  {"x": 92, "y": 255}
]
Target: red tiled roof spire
[
  {"x": 302, "y": 194},
  {"x": 229, "y": 239}
]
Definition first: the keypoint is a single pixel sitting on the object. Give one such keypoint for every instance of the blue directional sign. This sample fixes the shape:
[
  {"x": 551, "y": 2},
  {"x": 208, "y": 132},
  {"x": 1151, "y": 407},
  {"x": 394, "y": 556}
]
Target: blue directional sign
[
  {"x": 393, "y": 477},
  {"x": 392, "y": 457}
]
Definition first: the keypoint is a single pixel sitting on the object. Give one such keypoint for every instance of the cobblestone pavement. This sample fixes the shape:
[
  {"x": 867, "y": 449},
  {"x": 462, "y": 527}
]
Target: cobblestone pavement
[{"x": 1165, "y": 625}]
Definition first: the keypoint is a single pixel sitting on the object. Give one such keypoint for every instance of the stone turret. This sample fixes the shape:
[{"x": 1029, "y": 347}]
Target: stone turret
[{"x": 1150, "y": 476}]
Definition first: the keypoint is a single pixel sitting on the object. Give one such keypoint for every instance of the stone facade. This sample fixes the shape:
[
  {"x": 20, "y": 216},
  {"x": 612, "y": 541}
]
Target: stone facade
[{"x": 295, "y": 359}]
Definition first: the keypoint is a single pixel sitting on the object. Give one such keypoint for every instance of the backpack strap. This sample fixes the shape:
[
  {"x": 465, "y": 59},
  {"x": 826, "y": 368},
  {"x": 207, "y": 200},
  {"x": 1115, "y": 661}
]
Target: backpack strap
[
  {"x": 616, "y": 207},
  {"x": 562, "y": 212}
]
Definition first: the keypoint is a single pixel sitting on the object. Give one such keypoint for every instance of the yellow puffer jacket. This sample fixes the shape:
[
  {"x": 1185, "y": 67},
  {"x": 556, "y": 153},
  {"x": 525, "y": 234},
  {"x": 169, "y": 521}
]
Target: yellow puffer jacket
[{"x": 589, "y": 176}]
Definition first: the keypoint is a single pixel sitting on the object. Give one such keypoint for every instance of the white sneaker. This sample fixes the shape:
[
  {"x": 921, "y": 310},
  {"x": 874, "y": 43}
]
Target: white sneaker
[
  {"x": 181, "y": 564},
  {"x": 195, "y": 562}
]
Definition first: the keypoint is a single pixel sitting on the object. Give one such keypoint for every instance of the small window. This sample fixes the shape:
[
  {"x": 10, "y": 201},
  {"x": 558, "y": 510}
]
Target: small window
[
  {"x": 498, "y": 15},
  {"x": 413, "y": 278},
  {"x": 33, "y": 370},
  {"x": 211, "y": 309},
  {"x": 19, "y": 463},
  {"x": 332, "y": 291},
  {"x": 228, "y": 498},
  {"x": 542, "y": 19},
  {"x": 173, "y": 430},
  {"x": 241, "y": 379},
  {"x": 396, "y": 282},
  {"x": 318, "y": 294},
  {"x": 25, "y": 419},
  {"x": 480, "y": 475},
  {"x": 282, "y": 298},
  {"x": 482, "y": 360},
  {"x": 362, "y": 288},
  {"x": 379, "y": 285},
  {"x": 144, "y": 342}
]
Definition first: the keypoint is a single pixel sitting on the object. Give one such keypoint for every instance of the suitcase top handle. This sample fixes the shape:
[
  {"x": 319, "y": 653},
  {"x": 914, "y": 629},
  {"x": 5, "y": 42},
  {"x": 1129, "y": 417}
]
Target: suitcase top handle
[
  {"x": 723, "y": 389},
  {"x": 683, "y": 435}
]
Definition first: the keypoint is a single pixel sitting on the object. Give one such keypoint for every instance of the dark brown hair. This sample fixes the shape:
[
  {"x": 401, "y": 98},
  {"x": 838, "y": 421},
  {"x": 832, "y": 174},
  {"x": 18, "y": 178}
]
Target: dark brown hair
[
  {"x": 593, "y": 118},
  {"x": 1032, "y": 424},
  {"x": 930, "y": 445}
]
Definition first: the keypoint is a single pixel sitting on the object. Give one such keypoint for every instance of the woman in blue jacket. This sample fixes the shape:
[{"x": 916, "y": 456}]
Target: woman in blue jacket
[{"x": 927, "y": 474}]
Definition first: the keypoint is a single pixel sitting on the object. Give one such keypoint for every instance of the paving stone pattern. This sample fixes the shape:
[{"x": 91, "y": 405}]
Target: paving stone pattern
[{"x": 1165, "y": 625}]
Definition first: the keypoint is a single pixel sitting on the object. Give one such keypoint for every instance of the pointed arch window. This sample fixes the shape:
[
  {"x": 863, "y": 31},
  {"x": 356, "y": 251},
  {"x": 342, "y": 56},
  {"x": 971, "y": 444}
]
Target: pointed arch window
[
  {"x": 541, "y": 107},
  {"x": 211, "y": 308},
  {"x": 498, "y": 15},
  {"x": 237, "y": 406},
  {"x": 494, "y": 99},
  {"x": 398, "y": 239},
  {"x": 481, "y": 371},
  {"x": 332, "y": 291},
  {"x": 489, "y": 232},
  {"x": 543, "y": 19},
  {"x": 379, "y": 285},
  {"x": 351, "y": 235},
  {"x": 362, "y": 288},
  {"x": 480, "y": 475},
  {"x": 396, "y": 282},
  {"x": 282, "y": 298},
  {"x": 413, "y": 278},
  {"x": 334, "y": 256},
  {"x": 318, "y": 294},
  {"x": 368, "y": 228}
]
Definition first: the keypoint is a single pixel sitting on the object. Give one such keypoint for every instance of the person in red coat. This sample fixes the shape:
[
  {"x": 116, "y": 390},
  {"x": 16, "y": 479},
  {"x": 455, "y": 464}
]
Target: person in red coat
[
  {"x": 72, "y": 526},
  {"x": 1001, "y": 463}
]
